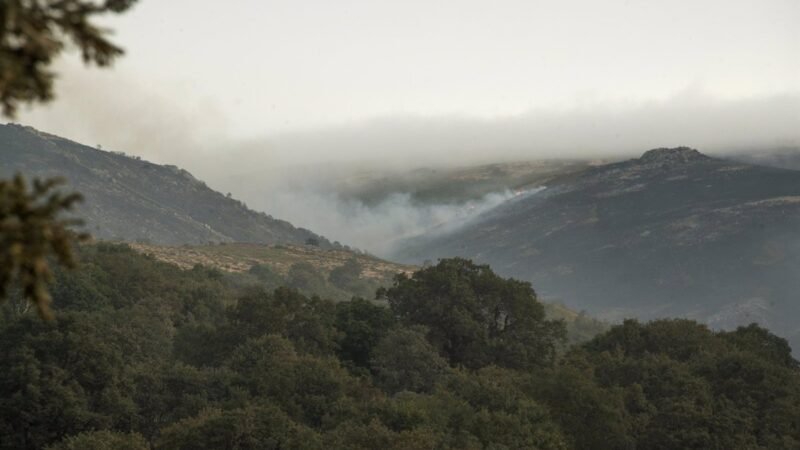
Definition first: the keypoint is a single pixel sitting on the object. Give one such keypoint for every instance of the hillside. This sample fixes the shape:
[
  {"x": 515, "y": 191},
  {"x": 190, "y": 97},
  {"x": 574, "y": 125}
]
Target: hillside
[
  {"x": 240, "y": 257},
  {"x": 673, "y": 233},
  {"x": 453, "y": 185},
  {"x": 784, "y": 158},
  {"x": 129, "y": 199},
  {"x": 278, "y": 265}
]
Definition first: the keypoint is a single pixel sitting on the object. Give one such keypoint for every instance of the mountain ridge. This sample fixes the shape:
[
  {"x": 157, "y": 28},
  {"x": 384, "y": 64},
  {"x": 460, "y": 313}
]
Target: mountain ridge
[{"x": 130, "y": 199}]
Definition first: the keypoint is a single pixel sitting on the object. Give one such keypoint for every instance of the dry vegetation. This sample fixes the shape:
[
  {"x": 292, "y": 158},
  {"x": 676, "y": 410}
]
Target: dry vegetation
[{"x": 240, "y": 257}]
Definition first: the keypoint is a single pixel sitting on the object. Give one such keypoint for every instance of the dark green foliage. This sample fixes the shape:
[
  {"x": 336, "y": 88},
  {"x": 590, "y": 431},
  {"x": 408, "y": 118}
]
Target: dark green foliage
[
  {"x": 405, "y": 361},
  {"x": 761, "y": 342},
  {"x": 500, "y": 413},
  {"x": 144, "y": 355},
  {"x": 34, "y": 33},
  {"x": 114, "y": 276},
  {"x": 362, "y": 324},
  {"x": 63, "y": 377},
  {"x": 267, "y": 276},
  {"x": 591, "y": 416},
  {"x": 305, "y": 278},
  {"x": 102, "y": 440},
  {"x": 307, "y": 322},
  {"x": 684, "y": 386},
  {"x": 347, "y": 275},
  {"x": 376, "y": 435},
  {"x": 251, "y": 428},
  {"x": 32, "y": 229},
  {"x": 476, "y": 318}
]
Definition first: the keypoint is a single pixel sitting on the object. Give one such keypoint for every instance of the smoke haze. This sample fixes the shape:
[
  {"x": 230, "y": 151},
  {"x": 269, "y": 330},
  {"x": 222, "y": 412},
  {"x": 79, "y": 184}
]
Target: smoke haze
[{"x": 294, "y": 175}]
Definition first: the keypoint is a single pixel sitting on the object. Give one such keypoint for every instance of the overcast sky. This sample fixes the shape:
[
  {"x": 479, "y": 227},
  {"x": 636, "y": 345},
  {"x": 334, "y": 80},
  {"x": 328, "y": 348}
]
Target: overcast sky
[{"x": 203, "y": 73}]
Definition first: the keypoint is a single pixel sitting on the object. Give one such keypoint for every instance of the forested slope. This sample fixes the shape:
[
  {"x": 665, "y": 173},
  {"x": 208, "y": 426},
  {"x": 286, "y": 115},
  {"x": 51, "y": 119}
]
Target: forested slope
[{"x": 143, "y": 353}]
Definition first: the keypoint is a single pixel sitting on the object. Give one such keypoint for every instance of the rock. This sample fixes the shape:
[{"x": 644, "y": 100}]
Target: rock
[{"x": 678, "y": 155}]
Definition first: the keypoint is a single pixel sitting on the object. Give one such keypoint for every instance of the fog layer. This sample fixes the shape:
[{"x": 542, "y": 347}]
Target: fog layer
[{"x": 294, "y": 175}]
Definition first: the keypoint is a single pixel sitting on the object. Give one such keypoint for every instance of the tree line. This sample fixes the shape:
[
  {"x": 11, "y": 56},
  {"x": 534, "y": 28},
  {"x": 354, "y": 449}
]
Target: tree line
[{"x": 144, "y": 355}]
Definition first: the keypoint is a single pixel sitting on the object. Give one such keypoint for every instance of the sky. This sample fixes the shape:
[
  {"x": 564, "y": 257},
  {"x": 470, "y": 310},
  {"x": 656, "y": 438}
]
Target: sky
[
  {"x": 236, "y": 91},
  {"x": 263, "y": 67},
  {"x": 271, "y": 66}
]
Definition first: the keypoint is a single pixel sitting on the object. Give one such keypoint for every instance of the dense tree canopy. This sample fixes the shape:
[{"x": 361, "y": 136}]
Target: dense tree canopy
[
  {"x": 142, "y": 354},
  {"x": 475, "y": 317}
]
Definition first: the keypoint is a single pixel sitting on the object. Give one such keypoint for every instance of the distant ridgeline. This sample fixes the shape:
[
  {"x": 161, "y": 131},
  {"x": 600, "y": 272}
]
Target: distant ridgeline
[
  {"x": 673, "y": 233},
  {"x": 134, "y": 200}
]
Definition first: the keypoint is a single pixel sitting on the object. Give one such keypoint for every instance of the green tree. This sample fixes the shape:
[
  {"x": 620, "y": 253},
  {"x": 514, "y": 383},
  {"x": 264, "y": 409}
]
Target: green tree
[
  {"x": 102, "y": 440},
  {"x": 361, "y": 324},
  {"x": 266, "y": 275},
  {"x": 761, "y": 342},
  {"x": 474, "y": 317},
  {"x": 306, "y": 278},
  {"x": 375, "y": 435},
  {"x": 347, "y": 275},
  {"x": 263, "y": 427},
  {"x": 685, "y": 386},
  {"x": 307, "y": 322},
  {"x": 313, "y": 390},
  {"x": 484, "y": 409},
  {"x": 60, "y": 377},
  {"x": 590, "y": 416},
  {"x": 405, "y": 361}
]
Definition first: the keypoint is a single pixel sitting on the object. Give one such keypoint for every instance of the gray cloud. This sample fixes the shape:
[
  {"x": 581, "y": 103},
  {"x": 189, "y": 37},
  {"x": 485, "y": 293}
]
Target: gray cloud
[
  {"x": 116, "y": 109},
  {"x": 691, "y": 118}
]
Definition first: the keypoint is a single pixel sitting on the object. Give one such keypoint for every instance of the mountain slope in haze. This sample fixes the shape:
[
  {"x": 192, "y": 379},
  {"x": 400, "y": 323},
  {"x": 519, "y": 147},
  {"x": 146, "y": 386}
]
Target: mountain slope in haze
[
  {"x": 673, "y": 233},
  {"x": 456, "y": 185},
  {"x": 129, "y": 199}
]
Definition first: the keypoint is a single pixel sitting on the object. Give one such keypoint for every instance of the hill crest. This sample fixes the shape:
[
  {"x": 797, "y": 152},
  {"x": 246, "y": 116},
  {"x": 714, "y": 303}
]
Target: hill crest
[{"x": 131, "y": 199}]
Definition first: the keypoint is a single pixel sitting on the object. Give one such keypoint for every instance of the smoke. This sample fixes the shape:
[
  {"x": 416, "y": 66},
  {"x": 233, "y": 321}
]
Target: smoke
[
  {"x": 375, "y": 228},
  {"x": 162, "y": 122}
]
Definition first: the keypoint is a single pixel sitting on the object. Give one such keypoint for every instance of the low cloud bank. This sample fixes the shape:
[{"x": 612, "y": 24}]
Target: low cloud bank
[{"x": 602, "y": 130}]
